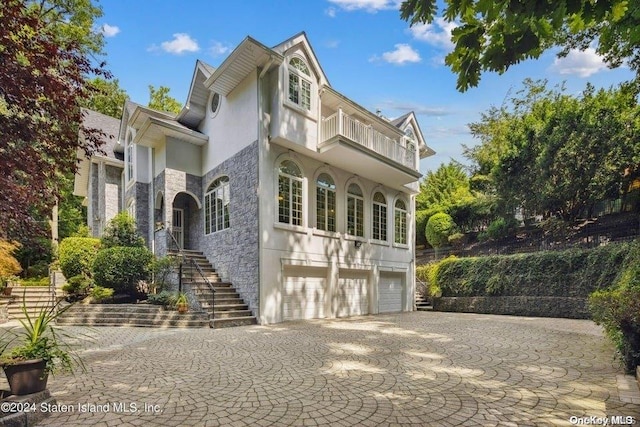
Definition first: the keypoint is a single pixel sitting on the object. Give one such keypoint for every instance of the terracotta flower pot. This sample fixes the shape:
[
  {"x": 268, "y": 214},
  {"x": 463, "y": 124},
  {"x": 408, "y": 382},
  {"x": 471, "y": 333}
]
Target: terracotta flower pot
[
  {"x": 182, "y": 308},
  {"x": 26, "y": 377},
  {"x": 7, "y": 290}
]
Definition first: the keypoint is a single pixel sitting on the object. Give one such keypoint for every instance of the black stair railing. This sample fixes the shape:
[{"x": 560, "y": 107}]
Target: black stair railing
[{"x": 194, "y": 266}]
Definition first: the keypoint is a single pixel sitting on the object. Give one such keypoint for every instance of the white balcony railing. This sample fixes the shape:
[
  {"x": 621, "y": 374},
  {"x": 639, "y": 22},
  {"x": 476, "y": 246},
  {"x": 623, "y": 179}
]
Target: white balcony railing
[{"x": 339, "y": 123}]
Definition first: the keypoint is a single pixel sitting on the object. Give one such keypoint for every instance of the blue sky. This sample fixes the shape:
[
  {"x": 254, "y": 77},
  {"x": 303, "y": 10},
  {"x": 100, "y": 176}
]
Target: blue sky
[{"x": 366, "y": 50}]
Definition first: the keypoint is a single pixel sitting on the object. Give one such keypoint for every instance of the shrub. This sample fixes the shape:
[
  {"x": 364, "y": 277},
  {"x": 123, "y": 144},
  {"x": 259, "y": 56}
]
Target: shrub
[
  {"x": 40, "y": 281},
  {"x": 77, "y": 287},
  {"x": 121, "y": 268},
  {"x": 498, "y": 229},
  {"x": 570, "y": 273},
  {"x": 617, "y": 309},
  {"x": 164, "y": 298},
  {"x": 121, "y": 231},
  {"x": 457, "y": 240},
  {"x": 99, "y": 294},
  {"x": 40, "y": 269},
  {"x": 77, "y": 254},
  {"x": 9, "y": 265},
  {"x": 162, "y": 267},
  {"x": 439, "y": 227},
  {"x": 428, "y": 274}
]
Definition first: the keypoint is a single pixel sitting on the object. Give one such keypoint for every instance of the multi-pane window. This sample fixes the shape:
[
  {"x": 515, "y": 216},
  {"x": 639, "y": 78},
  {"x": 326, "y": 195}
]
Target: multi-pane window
[
  {"x": 325, "y": 203},
  {"x": 299, "y": 83},
  {"x": 400, "y": 220},
  {"x": 289, "y": 193},
  {"x": 379, "y": 217},
  {"x": 355, "y": 211},
  {"x": 216, "y": 206},
  {"x": 129, "y": 158}
]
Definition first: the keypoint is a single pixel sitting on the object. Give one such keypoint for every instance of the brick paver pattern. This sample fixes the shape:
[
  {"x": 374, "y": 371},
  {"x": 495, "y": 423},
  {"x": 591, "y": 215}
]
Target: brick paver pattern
[{"x": 421, "y": 368}]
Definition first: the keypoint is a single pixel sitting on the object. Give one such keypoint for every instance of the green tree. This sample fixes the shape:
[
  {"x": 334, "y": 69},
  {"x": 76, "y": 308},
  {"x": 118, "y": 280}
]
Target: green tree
[
  {"x": 42, "y": 81},
  {"x": 121, "y": 231},
  {"x": 443, "y": 187},
  {"x": 160, "y": 100},
  {"x": 560, "y": 154},
  {"x": 494, "y": 34},
  {"x": 439, "y": 227},
  {"x": 107, "y": 97}
]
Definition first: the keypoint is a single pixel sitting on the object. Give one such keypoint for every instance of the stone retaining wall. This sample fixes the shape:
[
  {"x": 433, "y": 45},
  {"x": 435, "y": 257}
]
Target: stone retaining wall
[{"x": 566, "y": 307}]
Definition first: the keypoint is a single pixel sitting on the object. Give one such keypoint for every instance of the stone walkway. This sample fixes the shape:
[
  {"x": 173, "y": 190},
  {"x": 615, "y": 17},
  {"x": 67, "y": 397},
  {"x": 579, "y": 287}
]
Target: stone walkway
[{"x": 421, "y": 368}]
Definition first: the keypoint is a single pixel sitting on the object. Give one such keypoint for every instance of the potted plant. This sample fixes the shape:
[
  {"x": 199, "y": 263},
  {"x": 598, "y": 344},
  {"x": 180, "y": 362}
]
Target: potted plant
[
  {"x": 39, "y": 351},
  {"x": 6, "y": 284},
  {"x": 182, "y": 303}
]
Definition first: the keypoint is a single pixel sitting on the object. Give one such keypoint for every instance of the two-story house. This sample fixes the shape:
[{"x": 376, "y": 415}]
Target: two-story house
[{"x": 295, "y": 193}]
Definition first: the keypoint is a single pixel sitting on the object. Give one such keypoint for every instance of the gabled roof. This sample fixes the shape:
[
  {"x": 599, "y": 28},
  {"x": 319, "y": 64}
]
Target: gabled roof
[
  {"x": 107, "y": 124},
  {"x": 407, "y": 119},
  {"x": 302, "y": 39},
  {"x": 245, "y": 58},
  {"x": 194, "y": 110}
]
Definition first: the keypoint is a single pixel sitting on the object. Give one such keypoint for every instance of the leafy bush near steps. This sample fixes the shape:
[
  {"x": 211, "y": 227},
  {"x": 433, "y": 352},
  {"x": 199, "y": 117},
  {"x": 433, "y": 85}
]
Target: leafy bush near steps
[
  {"x": 100, "y": 294},
  {"x": 428, "y": 273},
  {"x": 570, "y": 273},
  {"x": 121, "y": 268},
  {"x": 439, "y": 227},
  {"x": 164, "y": 298},
  {"x": 77, "y": 287},
  {"x": 617, "y": 309},
  {"x": 77, "y": 254}
]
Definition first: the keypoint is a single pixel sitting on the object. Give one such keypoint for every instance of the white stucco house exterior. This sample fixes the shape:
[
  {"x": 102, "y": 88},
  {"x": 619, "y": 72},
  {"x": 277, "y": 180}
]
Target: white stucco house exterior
[{"x": 299, "y": 196}]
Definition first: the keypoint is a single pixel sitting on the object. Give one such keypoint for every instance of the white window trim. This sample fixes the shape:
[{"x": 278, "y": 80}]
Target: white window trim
[
  {"x": 302, "y": 227},
  {"x": 407, "y": 218},
  {"x": 384, "y": 221},
  {"x": 298, "y": 107},
  {"x": 335, "y": 196},
  {"x": 130, "y": 171},
  {"x": 346, "y": 210},
  {"x": 207, "y": 197}
]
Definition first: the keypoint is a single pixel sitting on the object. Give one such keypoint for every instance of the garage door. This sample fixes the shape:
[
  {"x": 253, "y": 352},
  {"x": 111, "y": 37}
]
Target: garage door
[
  {"x": 304, "y": 293},
  {"x": 390, "y": 293},
  {"x": 352, "y": 296}
]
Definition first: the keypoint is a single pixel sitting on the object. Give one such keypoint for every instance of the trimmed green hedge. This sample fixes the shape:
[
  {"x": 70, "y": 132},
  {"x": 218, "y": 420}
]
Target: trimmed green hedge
[
  {"x": 121, "y": 268},
  {"x": 76, "y": 255},
  {"x": 570, "y": 273}
]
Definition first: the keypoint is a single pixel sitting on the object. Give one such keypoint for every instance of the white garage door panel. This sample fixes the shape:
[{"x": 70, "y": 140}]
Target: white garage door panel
[
  {"x": 352, "y": 297},
  {"x": 390, "y": 294},
  {"x": 304, "y": 295}
]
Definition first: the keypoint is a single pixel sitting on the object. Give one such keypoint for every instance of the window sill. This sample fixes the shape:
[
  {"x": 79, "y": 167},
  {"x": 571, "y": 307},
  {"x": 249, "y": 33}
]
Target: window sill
[
  {"x": 213, "y": 233},
  {"x": 352, "y": 237},
  {"x": 379, "y": 242},
  {"x": 288, "y": 227},
  {"x": 299, "y": 109},
  {"x": 401, "y": 246},
  {"x": 324, "y": 233}
]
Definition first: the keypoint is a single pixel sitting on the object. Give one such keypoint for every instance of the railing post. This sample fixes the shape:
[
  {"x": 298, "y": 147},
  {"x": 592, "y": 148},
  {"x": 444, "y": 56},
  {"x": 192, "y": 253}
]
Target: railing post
[
  {"x": 180, "y": 278},
  {"x": 340, "y": 126}
]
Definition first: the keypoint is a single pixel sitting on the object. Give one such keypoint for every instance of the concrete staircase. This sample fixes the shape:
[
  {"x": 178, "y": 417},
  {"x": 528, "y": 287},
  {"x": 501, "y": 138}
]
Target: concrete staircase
[
  {"x": 422, "y": 304},
  {"x": 226, "y": 308},
  {"x": 35, "y": 298},
  {"x": 138, "y": 315}
]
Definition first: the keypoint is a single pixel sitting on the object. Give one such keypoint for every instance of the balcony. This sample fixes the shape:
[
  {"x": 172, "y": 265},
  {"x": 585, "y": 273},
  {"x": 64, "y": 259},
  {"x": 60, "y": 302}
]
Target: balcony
[{"x": 358, "y": 147}]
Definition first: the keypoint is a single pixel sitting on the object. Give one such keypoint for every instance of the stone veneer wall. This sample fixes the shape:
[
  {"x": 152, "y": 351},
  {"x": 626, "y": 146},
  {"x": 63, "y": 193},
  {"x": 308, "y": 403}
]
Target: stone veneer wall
[
  {"x": 140, "y": 192},
  {"x": 234, "y": 251},
  {"x": 534, "y": 306},
  {"x": 160, "y": 236}
]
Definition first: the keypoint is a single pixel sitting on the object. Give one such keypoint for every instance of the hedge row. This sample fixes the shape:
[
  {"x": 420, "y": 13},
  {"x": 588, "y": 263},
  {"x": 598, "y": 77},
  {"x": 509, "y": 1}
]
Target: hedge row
[{"x": 570, "y": 273}]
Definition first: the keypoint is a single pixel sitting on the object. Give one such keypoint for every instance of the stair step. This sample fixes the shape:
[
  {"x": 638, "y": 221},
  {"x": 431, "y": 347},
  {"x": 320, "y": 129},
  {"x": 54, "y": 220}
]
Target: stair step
[
  {"x": 232, "y": 313},
  {"x": 227, "y": 307},
  {"x": 233, "y": 321}
]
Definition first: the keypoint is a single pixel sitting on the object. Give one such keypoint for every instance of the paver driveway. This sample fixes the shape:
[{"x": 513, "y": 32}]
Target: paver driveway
[{"x": 428, "y": 369}]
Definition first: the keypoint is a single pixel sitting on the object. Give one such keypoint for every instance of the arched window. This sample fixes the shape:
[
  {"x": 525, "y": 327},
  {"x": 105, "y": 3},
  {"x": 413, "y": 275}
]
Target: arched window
[
  {"x": 299, "y": 83},
  {"x": 289, "y": 193},
  {"x": 400, "y": 221},
  {"x": 379, "y": 217},
  {"x": 325, "y": 203},
  {"x": 355, "y": 211},
  {"x": 216, "y": 206}
]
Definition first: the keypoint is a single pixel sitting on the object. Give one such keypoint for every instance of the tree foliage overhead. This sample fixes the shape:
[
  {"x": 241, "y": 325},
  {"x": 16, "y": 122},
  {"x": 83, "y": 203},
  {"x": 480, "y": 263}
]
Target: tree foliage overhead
[
  {"x": 107, "y": 97},
  {"x": 556, "y": 154},
  {"x": 42, "y": 83},
  {"x": 160, "y": 100},
  {"x": 495, "y": 34}
]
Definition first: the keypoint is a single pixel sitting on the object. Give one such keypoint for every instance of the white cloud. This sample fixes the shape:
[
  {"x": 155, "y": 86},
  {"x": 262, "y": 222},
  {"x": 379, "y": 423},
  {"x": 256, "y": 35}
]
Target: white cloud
[
  {"x": 582, "y": 63},
  {"x": 437, "y": 33},
  {"x": 181, "y": 43},
  {"x": 332, "y": 44},
  {"x": 402, "y": 55},
  {"x": 419, "y": 109},
  {"x": 370, "y": 6},
  {"x": 330, "y": 12},
  {"x": 109, "y": 30},
  {"x": 218, "y": 48}
]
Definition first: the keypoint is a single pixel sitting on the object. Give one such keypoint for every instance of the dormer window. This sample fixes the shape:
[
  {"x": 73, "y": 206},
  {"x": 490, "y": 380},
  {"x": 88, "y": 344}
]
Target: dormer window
[{"x": 299, "y": 83}]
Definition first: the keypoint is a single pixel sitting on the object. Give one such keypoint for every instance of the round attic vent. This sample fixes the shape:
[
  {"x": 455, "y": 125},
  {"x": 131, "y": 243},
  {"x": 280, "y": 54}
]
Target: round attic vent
[{"x": 215, "y": 103}]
